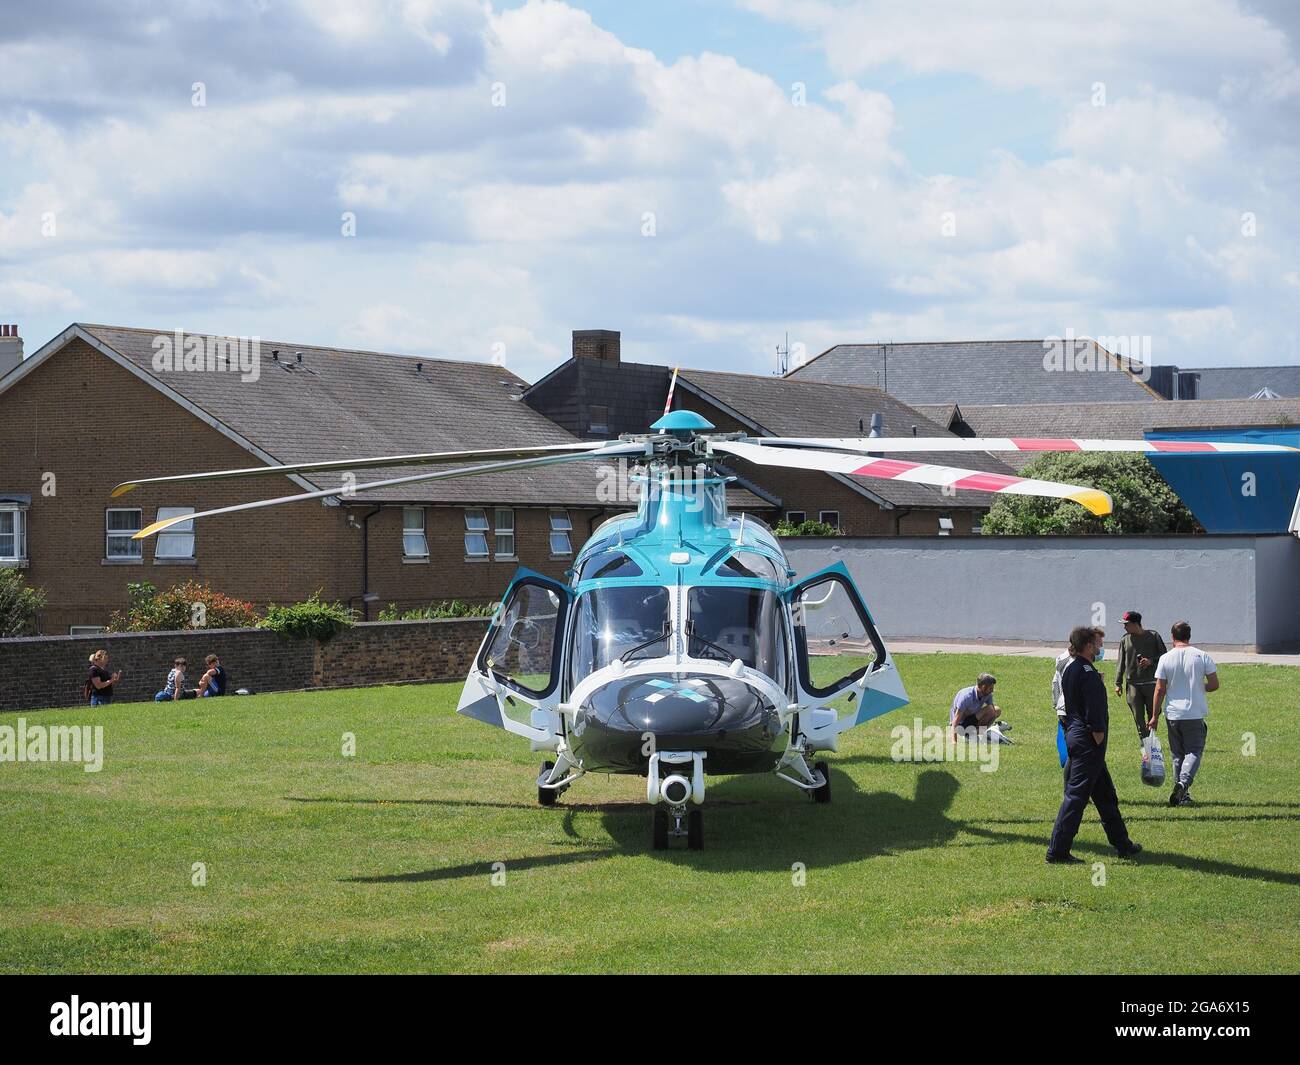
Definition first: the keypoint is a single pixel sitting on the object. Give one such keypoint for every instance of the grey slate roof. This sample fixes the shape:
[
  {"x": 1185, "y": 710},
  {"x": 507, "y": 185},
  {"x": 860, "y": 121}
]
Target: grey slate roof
[
  {"x": 1123, "y": 421},
  {"x": 984, "y": 371},
  {"x": 785, "y": 406},
  {"x": 344, "y": 402},
  {"x": 1240, "y": 382}
]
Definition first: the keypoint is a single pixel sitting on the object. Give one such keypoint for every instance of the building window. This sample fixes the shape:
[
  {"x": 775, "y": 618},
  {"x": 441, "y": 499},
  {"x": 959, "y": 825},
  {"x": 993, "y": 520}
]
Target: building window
[
  {"x": 561, "y": 527},
  {"x": 505, "y": 534},
  {"x": 120, "y": 525},
  {"x": 945, "y": 525},
  {"x": 178, "y": 541},
  {"x": 476, "y": 526},
  {"x": 599, "y": 421},
  {"x": 414, "y": 542},
  {"x": 86, "y": 630},
  {"x": 830, "y": 517},
  {"x": 13, "y": 534},
  {"x": 796, "y": 517}
]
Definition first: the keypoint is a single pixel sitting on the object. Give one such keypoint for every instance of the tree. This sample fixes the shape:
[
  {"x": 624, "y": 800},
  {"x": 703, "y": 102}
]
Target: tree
[
  {"x": 19, "y": 604},
  {"x": 1143, "y": 502}
]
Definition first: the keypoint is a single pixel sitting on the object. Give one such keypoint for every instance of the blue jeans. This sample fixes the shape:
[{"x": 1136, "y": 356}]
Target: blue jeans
[{"x": 99, "y": 700}]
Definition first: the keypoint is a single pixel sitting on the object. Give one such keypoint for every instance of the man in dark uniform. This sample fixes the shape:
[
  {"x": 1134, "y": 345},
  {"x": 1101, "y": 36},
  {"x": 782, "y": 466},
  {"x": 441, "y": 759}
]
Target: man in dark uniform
[{"x": 1086, "y": 722}]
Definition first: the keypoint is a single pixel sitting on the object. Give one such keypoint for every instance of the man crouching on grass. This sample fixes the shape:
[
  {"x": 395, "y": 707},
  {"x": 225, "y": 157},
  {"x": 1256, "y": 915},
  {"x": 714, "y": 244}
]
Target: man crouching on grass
[{"x": 973, "y": 707}]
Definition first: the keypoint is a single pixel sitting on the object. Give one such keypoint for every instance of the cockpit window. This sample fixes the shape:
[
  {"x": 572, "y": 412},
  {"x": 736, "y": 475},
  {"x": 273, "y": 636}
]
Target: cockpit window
[
  {"x": 748, "y": 564},
  {"x": 745, "y": 623},
  {"x": 610, "y": 623},
  {"x": 610, "y": 564}
]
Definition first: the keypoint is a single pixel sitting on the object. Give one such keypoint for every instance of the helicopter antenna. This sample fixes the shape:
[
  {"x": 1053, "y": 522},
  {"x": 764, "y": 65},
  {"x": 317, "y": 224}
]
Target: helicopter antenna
[{"x": 672, "y": 385}]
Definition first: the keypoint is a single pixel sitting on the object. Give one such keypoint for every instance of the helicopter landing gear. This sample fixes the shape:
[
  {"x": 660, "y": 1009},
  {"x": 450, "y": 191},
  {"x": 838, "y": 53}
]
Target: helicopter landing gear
[
  {"x": 822, "y": 794},
  {"x": 666, "y": 823},
  {"x": 554, "y": 779},
  {"x": 671, "y": 794}
]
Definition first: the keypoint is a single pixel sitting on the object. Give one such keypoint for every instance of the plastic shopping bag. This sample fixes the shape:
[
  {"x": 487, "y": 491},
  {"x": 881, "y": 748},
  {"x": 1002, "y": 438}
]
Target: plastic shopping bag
[{"x": 1153, "y": 761}]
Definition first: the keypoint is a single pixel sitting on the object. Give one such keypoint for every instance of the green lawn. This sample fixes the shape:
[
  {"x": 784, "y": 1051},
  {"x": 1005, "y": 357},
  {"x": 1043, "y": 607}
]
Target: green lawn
[{"x": 382, "y": 862}]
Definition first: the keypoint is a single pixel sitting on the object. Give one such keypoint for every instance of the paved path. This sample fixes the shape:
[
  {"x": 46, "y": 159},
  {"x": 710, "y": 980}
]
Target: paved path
[{"x": 1048, "y": 651}]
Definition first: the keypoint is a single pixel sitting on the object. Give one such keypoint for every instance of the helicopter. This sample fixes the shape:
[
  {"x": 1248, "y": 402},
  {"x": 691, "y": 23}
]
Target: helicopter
[{"x": 682, "y": 644}]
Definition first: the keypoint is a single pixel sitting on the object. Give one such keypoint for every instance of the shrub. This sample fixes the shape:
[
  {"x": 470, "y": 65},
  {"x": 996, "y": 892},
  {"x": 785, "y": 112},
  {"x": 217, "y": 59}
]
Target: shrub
[
  {"x": 19, "y": 604},
  {"x": 805, "y": 528},
  {"x": 309, "y": 620},
  {"x": 1143, "y": 502},
  {"x": 191, "y": 605},
  {"x": 445, "y": 608}
]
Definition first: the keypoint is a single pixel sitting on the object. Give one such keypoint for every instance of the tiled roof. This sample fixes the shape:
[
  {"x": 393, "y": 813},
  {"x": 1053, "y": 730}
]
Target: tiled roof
[
  {"x": 1123, "y": 421},
  {"x": 985, "y": 371},
  {"x": 786, "y": 406},
  {"x": 341, "y": 402},
  {"x": 1239, "y": 382}
]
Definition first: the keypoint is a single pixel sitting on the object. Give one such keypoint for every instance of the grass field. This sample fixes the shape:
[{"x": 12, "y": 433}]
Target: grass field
[{"x": 382, "y": 861}]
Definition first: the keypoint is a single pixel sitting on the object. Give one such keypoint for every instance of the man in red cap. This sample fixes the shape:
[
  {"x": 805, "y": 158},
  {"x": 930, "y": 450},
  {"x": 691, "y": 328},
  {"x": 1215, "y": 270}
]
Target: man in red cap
[{"x": 1135, "y": 679}]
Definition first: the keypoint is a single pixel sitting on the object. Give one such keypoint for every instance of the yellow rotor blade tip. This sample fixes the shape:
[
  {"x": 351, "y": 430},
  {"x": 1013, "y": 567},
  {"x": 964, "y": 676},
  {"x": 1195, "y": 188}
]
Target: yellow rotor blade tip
[
  {"x": 1096, "y": 502},
  {"x": 122, "y": 489},
  {"x": 158, "y": 526}
]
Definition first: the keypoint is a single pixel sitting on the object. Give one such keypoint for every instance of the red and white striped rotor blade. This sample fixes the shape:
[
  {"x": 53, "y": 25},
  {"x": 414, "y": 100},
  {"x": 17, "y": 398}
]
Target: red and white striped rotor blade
[
  {"x": 883, "y": 444},
  {"x": 1096, "y": 501}
]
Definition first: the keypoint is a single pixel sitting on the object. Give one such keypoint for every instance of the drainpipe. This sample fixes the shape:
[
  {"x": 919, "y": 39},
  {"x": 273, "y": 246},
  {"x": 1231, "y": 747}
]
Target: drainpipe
[
  {"x": 899, "y": 515},
  {"x": 365, "y": 562}
]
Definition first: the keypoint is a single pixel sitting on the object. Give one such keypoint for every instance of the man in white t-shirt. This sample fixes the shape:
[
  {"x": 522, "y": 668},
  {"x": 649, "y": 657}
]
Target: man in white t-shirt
[{"x": 1183, "y": 676}]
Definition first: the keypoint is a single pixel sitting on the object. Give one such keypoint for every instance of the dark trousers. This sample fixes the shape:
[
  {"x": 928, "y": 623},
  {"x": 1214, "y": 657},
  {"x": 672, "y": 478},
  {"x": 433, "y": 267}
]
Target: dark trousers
[
  {"x": 1140, "y": 699},
  {"x": 1086, "y": 777}
]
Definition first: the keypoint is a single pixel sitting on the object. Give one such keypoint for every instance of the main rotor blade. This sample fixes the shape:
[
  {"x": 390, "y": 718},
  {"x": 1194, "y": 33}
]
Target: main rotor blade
[
  {"x": 605, "y": 451},
  {"x": 432, "y": 458},
  {"x": 880, "y": 444},
  {"x": 1097, "y": 502}
]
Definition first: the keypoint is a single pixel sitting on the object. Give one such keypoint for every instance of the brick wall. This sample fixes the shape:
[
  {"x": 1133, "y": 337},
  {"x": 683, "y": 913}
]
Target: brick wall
[{"x": 44, "y": 671}]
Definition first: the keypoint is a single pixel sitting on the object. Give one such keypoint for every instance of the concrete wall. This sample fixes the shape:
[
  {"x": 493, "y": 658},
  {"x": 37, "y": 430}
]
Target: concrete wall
[
  {"x": 51, "y": 670},
  {"x": 1238, "y": 592}
]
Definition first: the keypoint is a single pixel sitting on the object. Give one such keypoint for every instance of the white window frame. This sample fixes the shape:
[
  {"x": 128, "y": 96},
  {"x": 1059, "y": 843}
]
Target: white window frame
[
  {"x": 789, "y": 517},
  {"x": 946, "y": 525},
  {"x": 561, "y": 526},
  {"x": 177, "y": 533},
  {"x": 415, "y": 535},
  {"x": 111, "y": 534},
  {"x": 500, "y": 532},
  {"x": 19, "y": 534},
  {"x": 474, "y": 531},
  {"x": 821, "y": 517}
]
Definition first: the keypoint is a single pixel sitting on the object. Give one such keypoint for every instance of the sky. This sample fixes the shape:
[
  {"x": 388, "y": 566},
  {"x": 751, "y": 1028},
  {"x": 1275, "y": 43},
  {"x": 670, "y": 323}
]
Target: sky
[{"x": 473, "y": 181}]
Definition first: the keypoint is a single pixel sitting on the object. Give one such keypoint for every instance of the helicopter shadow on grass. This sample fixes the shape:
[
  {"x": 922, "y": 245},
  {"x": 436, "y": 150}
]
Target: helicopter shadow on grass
[
  {"x": 748, "y": 830},
  {"x": 745, "y": 831}
]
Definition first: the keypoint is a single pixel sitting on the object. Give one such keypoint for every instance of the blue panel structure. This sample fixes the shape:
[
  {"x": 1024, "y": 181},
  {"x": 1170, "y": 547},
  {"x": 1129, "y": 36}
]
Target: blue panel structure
[{"x": 1217, "y": 488}]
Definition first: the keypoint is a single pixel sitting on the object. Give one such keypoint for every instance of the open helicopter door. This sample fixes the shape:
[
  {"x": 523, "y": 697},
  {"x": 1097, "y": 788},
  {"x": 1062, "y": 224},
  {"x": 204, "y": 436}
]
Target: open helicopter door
[
  {"x": 843, "y": 672},
  {"x": 514, "y": 682}
]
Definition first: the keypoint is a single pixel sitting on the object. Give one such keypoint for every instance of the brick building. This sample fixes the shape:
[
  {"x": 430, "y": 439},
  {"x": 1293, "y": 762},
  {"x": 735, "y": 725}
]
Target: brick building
[
  {"x": 98, "y": 405},
  {"x": 595, "y": 395}
]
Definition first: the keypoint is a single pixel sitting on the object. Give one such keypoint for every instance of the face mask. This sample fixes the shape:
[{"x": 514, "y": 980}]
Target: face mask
[{"x": 1101, "y": 653}]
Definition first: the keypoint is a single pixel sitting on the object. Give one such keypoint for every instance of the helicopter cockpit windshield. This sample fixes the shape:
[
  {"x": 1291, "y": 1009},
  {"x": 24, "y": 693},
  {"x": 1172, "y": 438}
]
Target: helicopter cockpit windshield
[
  {"x": 624, "y": 621},
  {"x": 726, "y": 622}
]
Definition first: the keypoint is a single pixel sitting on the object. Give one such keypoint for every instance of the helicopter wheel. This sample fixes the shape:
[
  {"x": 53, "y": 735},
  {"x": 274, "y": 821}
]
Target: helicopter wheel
[
  {"x": 695, "y": 830},
  {"x": 822, "y": 794},
  {"x": 660, "y": 829},
  {"x": 546, "y": 796}
]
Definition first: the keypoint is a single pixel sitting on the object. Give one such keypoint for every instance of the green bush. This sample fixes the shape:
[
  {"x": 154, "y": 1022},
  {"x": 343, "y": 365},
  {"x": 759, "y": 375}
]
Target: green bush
[
  {"x": 19, "y": 604},
  {"x": 186, "y": 606},
  {"x": 446, "y": 608},
  {"x": 309, "y": 620},
  {"x": 805, "y": 528},
  {"x": 1143, "y": 502}
]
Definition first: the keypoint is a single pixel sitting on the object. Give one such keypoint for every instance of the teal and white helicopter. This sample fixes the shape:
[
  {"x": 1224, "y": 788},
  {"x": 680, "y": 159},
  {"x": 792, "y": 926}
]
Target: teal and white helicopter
[{"x": 683, "y": 644}]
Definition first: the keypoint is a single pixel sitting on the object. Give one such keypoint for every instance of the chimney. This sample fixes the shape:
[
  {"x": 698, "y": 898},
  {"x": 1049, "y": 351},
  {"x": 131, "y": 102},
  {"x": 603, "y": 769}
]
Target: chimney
[
  {"x": 600, "y": 344},
  {"x": 11, "y": 348}
]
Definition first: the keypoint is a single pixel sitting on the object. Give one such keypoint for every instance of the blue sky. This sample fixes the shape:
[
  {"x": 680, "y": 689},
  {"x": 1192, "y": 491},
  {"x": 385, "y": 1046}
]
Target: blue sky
[{"x": 518, "y": 170}]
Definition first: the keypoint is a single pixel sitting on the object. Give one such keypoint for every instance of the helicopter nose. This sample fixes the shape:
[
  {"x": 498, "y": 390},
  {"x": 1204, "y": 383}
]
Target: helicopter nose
[{"x": 682, "y": 712}]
